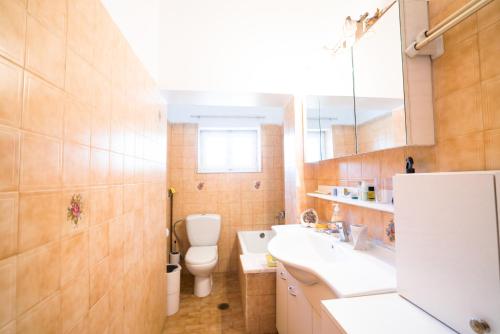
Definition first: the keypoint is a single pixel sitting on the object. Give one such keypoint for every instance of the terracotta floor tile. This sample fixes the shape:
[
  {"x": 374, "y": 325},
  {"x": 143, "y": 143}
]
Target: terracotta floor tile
[{"x": 201, "y": 315}]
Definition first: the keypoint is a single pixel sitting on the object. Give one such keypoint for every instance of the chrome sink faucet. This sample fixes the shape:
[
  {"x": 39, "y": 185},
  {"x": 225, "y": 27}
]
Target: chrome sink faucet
[{"x": 343, "y": 234}]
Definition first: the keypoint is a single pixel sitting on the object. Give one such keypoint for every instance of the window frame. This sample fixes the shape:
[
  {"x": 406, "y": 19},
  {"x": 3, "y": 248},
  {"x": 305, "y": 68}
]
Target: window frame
[{"x": 199, "y": 170}]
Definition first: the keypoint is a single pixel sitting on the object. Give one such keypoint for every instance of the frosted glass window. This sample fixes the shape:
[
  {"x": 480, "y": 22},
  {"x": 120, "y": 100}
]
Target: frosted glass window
[{"x": 228, "y": 150}]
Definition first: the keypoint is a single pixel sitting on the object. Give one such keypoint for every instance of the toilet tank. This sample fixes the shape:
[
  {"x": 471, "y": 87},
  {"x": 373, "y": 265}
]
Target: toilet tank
[{"x": 203, "y": 229}]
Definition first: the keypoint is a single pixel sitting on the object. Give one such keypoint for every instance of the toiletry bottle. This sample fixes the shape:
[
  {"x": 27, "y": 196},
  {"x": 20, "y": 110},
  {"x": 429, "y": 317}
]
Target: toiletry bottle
[
  {"x": 336, "y": 217},
  {"x": 363, "y": 195},
  {"x": 371, "y": 193}
]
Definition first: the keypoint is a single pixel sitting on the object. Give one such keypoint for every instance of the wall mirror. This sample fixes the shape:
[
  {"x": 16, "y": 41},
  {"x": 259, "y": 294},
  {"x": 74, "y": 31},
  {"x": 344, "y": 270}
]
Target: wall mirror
[
  {"x": 378, "y": 85},
  {"x": 391, "y": 101},
  {"x": 329, "y": 120},
  {"x": 330, "y": 130}
]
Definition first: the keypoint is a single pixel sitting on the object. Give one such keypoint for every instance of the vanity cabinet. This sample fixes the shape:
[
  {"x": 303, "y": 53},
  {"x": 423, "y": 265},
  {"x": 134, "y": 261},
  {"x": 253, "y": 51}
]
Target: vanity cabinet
[
  {"x": 281, "y": 299},
  {"x": 294, "y": 314}
]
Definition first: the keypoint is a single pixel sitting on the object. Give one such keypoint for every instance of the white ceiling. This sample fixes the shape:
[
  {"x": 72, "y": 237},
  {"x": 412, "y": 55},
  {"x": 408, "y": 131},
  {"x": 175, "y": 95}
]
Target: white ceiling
[
  {"x": 239, "y": 57},
  {"x": 208, "y": 108},
  {"x": 269, "y": 46},
  {"x": 226, "y": 99}
]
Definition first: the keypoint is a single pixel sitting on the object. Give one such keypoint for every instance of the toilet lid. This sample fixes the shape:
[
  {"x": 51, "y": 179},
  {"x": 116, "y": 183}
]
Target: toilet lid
[{"x": 201, "y": 254}]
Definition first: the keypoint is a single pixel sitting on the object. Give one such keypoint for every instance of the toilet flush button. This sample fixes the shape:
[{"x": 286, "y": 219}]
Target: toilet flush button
[{"x": 479, "y": 326}]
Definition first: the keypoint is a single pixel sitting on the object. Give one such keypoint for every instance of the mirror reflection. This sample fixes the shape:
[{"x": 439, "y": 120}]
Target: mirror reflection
[
  {"x": 378, "y": 85},
  {"x": 329, "y": 122},
  {"x": 330, "y": 131}
]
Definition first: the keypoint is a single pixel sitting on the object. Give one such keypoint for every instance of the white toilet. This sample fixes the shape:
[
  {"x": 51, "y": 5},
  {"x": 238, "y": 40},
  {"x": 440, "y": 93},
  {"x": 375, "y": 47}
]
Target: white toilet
[{"x": 203, "y": 233}]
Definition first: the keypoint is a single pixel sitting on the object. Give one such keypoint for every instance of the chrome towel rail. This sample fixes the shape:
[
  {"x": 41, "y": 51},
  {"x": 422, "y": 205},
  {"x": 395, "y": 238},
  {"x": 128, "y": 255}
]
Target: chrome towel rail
[{"x": 426, "y": 37}]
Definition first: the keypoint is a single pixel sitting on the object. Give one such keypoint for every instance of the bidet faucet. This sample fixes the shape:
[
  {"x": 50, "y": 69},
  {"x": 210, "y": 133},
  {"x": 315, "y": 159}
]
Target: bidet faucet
[{"x": 343, "y": 234}]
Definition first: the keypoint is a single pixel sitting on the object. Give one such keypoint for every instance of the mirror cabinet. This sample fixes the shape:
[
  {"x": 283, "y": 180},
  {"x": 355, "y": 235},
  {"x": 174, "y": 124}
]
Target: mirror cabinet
[
  {"x": 330, "y": 131},
  {"x": 391, "y": 103}
]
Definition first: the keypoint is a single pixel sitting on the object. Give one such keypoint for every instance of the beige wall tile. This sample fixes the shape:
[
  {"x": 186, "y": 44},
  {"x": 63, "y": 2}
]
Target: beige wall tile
[
  {"x": 76, "y": 165},
  {"x": 99, "y": 316},
  {"x": 394, "y": 162},
  {"x": 38, "y": 275},
  {"x": 116, "y": 201},
  {"x": 9, "y": 328},
  {"x": 466, "y": 29},
  {"x": 77, "y": 121},
  {"x": 370, "y": 164},
  {"x": 43, "y": 318},
  {"x": 492, "y": 149},
  {"x": 99, "y": 280},
  {"x": 118, "y": 65},
  {"x": 79, "y": 79},
  {"x": 116, "y": 264},
  {"x": 13, "y": 31},
  {"x": 104, "y": 44},
  {"x": 40, "y": 217},
  {"x": 101, "y": 125},
  {"x": 116, "y": 298},
  {"x": 7, "y": 290},
  {"x": 463, "y": 58},
  {"x": 488, "y": 15},
  {"x": 438, "y": 10},
  {"x": 9, "y": 159},
  {"x": 128, "y": 169},
  {"x": 98, "y": 241},
  {"x": 82, "y": 327},
  {"x": 52, "y": 13},
  {"x": 74, "y": 302},
  {"x": 45, "y": 52},
  {"x": 100, "y": 206},
  {"x": 41, "y": 162},
  {"x": 461, "y": 153},
  {"x": 490, "y": 90},
  {"x": 99, "y": 167},
  {"x": 116, "y": 235},
  {"x": 116, "y": 168},
  {"x": 43, "y": 108},
  {"x": 74, "y": 257},
  {"x": 9, "y": 204},
  {"x": 232, "y": 195},
  {"x": 11, "y": 93},
  {"x": 69, "y": 106},
  {"x": 459, "y": 113},
  {"x": 81, "y": 27},
  {"x": 116, "y": 134},
  {"x": 489, "y": 51}
]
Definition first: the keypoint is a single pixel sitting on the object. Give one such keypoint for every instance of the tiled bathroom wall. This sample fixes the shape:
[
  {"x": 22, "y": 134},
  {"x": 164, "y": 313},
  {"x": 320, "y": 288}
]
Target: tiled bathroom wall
[
  {"x": 78, "y": 115},
  {"x": 246, "y": 201},
  {"x": 466, "y": 83}
]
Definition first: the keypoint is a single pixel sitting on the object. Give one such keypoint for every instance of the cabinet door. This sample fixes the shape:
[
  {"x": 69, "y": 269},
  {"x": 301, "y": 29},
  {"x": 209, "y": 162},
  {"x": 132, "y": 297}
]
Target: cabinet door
[
  {"x": 281, "y": 299},
  {"x": 300, "y": 315},
  {"x": 447, "y": 255}
]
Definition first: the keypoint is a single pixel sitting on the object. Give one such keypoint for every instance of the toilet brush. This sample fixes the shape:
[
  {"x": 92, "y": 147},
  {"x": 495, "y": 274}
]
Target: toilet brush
[{"x": 174, "y": 254}]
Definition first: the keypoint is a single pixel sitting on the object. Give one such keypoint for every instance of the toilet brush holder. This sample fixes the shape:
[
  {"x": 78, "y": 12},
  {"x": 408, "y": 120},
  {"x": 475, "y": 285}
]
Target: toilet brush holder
[
  {"x": 175, "y": 257},
  {"x": 173, "y": 281}
]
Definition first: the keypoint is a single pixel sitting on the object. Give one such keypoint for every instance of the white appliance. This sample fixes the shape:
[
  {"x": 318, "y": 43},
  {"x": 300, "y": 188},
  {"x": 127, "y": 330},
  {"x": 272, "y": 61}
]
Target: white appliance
[{"x": 447, "y": 246}]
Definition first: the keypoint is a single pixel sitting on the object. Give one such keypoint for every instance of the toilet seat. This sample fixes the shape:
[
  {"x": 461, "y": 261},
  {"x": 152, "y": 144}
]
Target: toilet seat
[{"x": 199, "y": 255}]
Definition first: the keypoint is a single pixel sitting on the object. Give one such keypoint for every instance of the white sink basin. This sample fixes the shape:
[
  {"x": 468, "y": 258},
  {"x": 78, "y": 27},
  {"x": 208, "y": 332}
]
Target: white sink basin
[{"x": 312, "y": 258}]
